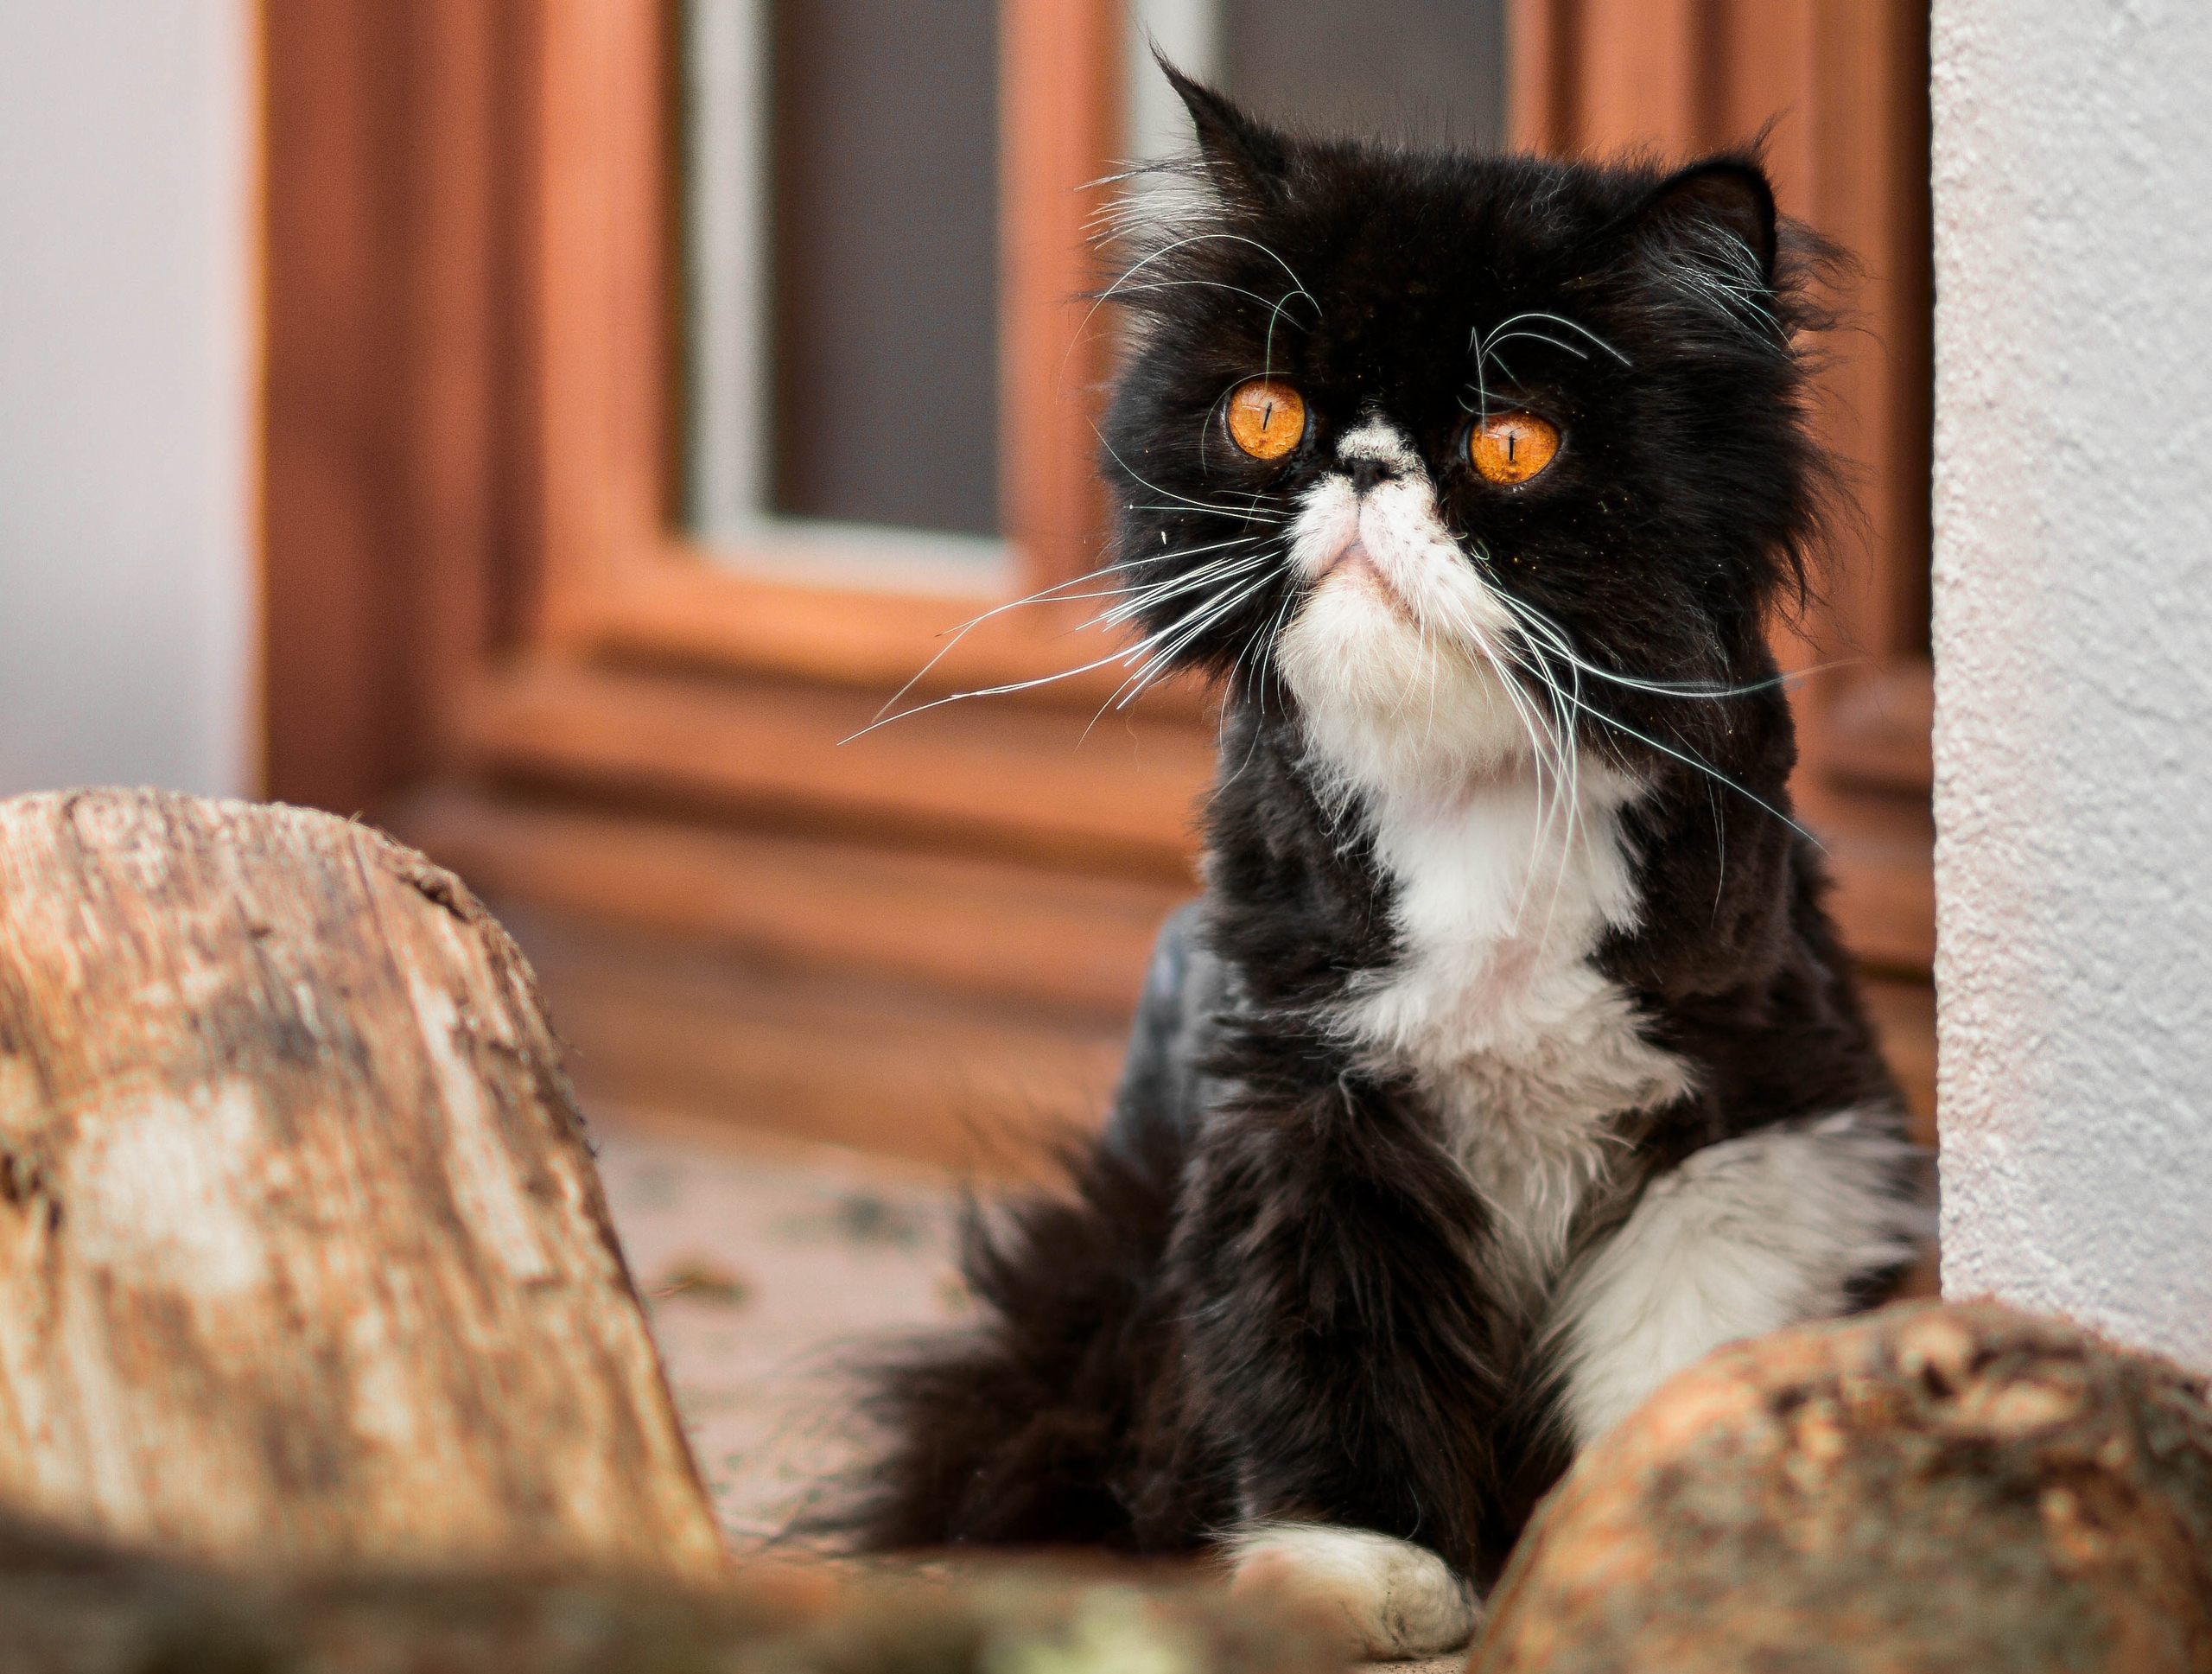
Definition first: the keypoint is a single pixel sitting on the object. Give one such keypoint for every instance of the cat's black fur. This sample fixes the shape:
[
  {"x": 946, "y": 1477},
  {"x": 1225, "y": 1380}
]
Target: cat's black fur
[{"x": 1275, "y": 1292}]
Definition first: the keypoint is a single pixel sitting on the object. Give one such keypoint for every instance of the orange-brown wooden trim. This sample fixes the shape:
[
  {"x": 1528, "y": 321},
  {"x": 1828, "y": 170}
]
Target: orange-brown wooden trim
[
  {"x": 1046, "y": 938},
  {"x": 603, "y": 326},
  {"x": 1034, "y": 784},
  {"x": 1539, "y": 71},
  {"x": 1057, "y": 128},
  {"x": 879, "y": 640},
  {"x": 1640, "y": 66},
  {"x": 338, "y": 718},
  {"x": 657, "y": 1027}
]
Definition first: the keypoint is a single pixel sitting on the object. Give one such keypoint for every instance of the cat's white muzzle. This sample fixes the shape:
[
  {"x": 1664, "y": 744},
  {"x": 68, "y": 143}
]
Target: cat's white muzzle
[{"x": 1399, "y": 655}]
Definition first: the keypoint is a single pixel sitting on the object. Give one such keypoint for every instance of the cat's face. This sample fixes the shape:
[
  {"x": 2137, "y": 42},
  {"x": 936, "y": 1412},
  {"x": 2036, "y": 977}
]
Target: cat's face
[{"x": 1458, "y": 453}]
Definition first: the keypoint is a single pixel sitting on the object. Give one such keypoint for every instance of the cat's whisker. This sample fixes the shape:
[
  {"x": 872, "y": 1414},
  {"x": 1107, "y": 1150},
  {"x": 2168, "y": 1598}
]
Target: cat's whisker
[
  {"x": 1554, "y": 760},
  {"x": 1120, "y": 617},
  {"x": 1273, "y": 636},
  {"x": 1212, "y": 602},
  {"x": 1221, "y": 284},
  {"x": 1052, "y": 594},
  {"x": 1249, "y": 510},
  {"x": 1298, "y": 287},
  {"x": 1554, "y": 763},
  {"x": 1255, "y": 643},
  {"x": 1122, "y": 656},
  {"x": 1559, "y": 645},
  {"x": 1167, "y": 655},
  {"x": 1563, "y": 649},
  {"x": 1184, "y": 501},
  {"x": 1189, "y": 627},
  {"x": 1491, "y": 348},
  {"x": 1554, "y": 319},
  {"x": 983, "y": 691},
  {"x": 1561, "y": 805},
  {"x": 1690, "y": 760},
  {"x": 1240, "y": 514},
  {"x": 1149, "y": 257},
  {"x": 1135, "y": 600}
]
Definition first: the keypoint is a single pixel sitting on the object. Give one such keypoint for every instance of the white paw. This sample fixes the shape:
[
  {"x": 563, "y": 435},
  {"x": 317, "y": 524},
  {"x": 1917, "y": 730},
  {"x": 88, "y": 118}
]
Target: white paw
[{"x": 1398, "y": 1598}]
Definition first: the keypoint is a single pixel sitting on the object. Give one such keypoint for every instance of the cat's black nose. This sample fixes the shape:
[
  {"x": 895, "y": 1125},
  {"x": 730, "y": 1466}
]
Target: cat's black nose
[{"x": 1369, "y": 473}]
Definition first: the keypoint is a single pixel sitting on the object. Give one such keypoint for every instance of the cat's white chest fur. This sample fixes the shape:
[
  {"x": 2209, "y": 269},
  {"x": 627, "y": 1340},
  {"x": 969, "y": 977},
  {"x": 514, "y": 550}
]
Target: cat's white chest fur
[
  {"x": 1502, "y": 838},
  {"x": 1494, "y": 1005}
]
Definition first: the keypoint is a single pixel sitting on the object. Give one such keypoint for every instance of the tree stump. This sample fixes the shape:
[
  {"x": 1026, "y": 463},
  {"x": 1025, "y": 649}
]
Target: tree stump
[
  {"x": 304, "y": 1262},
  {"x": 1925, "y": 1490}
]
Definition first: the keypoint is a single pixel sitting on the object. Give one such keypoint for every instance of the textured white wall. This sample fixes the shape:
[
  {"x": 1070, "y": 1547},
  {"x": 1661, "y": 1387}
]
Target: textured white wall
[
  {"x": 2074, "y": 657},
  {"x": 126, "y": 342}
]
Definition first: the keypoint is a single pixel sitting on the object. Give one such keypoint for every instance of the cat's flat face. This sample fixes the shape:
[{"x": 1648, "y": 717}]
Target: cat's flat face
[{"x": 1455, "y": 449}]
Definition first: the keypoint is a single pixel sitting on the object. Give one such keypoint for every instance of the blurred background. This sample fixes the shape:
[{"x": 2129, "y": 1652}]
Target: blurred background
[{"x": 548, "y": 429}]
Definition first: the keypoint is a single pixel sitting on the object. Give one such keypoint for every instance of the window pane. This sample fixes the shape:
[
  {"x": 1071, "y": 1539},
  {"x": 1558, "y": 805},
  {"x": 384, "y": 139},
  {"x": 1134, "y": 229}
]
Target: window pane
[
  {"x": 842, "y": 264},
  {"x": 886, "y": 262},
  {"x": 1426, "y": 71}
]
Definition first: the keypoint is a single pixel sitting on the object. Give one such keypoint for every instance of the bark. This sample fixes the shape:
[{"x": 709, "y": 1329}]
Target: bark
[
  {"x": 1946, "y": 1489},
  {"x": 303, "y": 1262},
  {"x": 68, "y": 1609}
]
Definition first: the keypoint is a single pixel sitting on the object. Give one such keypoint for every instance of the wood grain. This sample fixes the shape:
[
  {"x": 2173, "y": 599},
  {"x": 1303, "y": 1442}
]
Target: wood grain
[
  {"x": 1117, "y": 797},
  {"x": 340, "y": 727},
  {"x": 1044, "y": 938},
  {"x": 303, "y": 1259},
  {"x": 659, "y": 1027},
  {"x": 1058, "y": 128}
]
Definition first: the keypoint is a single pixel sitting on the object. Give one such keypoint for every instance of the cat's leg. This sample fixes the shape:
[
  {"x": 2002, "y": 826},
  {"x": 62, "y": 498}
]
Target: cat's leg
[
  {"x": 1340, "y": 1358},
  {"x": 1742, "y": 1238}
]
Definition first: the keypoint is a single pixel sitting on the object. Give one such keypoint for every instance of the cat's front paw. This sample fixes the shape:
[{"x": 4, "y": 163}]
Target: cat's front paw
[{"x": 1399, "y": 1600}]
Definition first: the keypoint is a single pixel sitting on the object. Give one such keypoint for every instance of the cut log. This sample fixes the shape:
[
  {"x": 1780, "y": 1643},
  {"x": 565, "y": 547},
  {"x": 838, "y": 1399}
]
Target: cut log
[
  {"x": 303, "y": 1262},
  {"x": 67, "y": 1609},
  {"x": 1925, "y": 1490}
]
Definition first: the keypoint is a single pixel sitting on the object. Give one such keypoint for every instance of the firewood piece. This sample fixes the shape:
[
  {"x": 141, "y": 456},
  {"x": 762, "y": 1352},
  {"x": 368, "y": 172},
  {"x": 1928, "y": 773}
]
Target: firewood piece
[
  {"x": 74, "y": 1609},
  {"x": 303, "y": 1262},
  {"x": 1948, "y": 1489}
]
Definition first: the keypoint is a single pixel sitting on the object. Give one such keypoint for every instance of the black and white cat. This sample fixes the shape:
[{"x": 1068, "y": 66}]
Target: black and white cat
[{"x": 1509, "y": 1062}]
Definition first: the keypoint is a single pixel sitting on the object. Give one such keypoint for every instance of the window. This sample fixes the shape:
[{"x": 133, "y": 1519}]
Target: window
[{"x": 840, "y": 233}]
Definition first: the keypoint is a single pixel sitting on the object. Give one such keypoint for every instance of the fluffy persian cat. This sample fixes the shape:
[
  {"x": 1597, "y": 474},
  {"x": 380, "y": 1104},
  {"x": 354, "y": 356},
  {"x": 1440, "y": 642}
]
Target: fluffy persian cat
[{"x": 1508, "y": 1061}]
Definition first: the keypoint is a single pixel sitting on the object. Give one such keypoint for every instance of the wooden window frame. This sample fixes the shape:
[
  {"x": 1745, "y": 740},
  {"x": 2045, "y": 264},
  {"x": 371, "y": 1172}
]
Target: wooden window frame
[
  {"x": 617, "y": 578},
  {"x": 474, "y": 572},
  {"x": 623, "y": 595}
]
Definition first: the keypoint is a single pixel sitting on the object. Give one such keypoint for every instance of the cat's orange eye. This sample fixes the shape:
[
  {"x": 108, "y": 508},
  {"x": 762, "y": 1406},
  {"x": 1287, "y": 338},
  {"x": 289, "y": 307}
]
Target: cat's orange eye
[
  {"x": 1512, "y": 447},
  {"x": 1267, "y": 417}
]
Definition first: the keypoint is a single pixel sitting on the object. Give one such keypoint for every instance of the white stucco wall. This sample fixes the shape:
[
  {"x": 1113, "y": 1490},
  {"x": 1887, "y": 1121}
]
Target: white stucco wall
[
  {"x": 126, "y": 341},
  {"x": 2074, "y": 657}
]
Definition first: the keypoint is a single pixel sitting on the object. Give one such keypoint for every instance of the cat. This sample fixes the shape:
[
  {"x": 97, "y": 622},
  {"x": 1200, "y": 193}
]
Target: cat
[{"x": 1509, "y": 1061}]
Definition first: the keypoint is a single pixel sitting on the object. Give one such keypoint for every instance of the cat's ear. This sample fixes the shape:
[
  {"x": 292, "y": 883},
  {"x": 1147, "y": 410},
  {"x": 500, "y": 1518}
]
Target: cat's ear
[
  {"x": 1238, "y": 151},
  {"x": 1721, "y": 210}
]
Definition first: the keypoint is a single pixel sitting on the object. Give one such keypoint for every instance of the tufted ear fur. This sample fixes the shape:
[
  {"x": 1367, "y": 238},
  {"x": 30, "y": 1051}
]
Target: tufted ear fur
[
  {"x": 1240, "y": 153},
  {"x": 1723, "y": 209},
  {"x": 1727, "y": 195}
]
